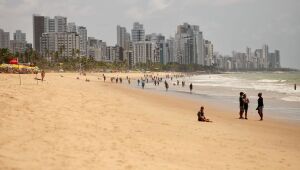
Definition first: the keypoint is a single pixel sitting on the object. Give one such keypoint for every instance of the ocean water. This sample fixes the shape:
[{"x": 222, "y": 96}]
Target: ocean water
[{"x": 280, "y": 99}]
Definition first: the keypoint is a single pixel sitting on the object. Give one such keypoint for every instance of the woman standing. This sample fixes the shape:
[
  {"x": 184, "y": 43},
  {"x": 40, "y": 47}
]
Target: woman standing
[
  {"x": 260, "y": 105},
  {"x": 246, "y": 102}
]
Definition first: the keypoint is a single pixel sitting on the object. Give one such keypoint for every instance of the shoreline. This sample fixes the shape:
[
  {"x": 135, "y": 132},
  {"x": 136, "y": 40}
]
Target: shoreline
[{"x": 65, "y": 123}]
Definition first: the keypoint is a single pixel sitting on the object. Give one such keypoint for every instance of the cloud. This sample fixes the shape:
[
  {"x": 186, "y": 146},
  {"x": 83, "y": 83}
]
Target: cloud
[{"x": 142, "y": 9}]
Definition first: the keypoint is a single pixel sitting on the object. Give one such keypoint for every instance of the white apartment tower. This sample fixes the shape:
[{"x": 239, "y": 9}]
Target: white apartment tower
[
  {"x": 189, "y": 44},
  {"x": 60, "y": 24},
  {"x": 64, "y": 43},
  {"x": 82, "y": 31}
]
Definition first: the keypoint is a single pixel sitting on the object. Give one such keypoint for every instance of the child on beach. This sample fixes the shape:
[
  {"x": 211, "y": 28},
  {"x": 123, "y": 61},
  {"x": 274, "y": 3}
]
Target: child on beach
[
  {"x": 201, "y": 116},
  {"x": 260, "y": 106}
]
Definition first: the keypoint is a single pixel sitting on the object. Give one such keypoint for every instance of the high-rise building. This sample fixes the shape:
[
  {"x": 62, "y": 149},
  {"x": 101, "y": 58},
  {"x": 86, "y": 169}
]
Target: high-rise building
[
  {"x": 274, "y": 60},
  {"x": 38, "y": 30},
  {"x": 208, "y": 53},
  {"x": 4, "y": 39},
  {"x": 265, "y": 54},
  {"x": 60, "y": 24},
  {"x": 123, "y": 38},
  {"x": 49, "y": 24},
  {"x": 97, "y": 49},
  {"x": 170, "y": 50},
  {"x": 137, "y": 32},
  {"x": 82, "y": 32},
  {"x": 189, "y": 44},
  {"x": 143, "y": 52},
  {"x": 66, "y": 44},
  {"x": 72, "y": 27},
  {"x": 19, "y": 36},
  {"x": 159, "y": 47},
  {"x": 18, "y": 44}
]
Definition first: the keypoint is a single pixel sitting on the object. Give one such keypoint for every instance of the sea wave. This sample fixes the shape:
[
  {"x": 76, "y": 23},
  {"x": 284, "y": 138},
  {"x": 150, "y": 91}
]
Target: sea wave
[{"x": 291, "y": 98}]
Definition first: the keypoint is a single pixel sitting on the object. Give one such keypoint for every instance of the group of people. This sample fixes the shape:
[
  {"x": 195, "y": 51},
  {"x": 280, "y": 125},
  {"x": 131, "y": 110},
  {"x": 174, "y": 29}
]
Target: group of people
[{"x": 244, "y": 104}]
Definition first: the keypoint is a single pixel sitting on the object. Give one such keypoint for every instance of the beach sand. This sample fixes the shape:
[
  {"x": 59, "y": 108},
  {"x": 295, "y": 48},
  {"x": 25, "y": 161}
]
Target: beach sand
[{"x": 65, "y": 123}]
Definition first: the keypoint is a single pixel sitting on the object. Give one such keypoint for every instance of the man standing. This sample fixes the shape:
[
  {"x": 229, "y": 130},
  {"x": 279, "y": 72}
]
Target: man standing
[
  {"x": 241, "y": 105},
  {"x": 260, "y": 106}
]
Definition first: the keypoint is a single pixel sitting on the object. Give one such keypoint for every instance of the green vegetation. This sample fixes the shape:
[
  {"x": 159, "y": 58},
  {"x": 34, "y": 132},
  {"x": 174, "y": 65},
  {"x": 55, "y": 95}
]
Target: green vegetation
[{"x": 55, "y": 61}]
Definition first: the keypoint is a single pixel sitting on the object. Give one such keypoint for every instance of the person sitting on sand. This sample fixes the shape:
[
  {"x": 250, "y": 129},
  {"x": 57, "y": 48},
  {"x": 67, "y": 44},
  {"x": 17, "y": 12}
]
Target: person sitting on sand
[{"x": 201, "y": 116}]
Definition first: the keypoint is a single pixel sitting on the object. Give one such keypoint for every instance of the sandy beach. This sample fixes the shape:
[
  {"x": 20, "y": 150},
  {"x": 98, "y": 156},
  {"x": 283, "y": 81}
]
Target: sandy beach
[{"x": 68, "y": 123}]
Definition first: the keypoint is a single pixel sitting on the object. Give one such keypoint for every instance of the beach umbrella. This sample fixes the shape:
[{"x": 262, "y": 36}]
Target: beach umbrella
[{"x": 14, "y": 61}]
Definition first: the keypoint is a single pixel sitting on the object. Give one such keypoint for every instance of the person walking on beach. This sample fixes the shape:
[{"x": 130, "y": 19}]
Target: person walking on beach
[
  {"x": 43, "y": 75},
  {"x": 201, "y": 116},
  {"x": 191, "y": 87},
  {"x": 241, "y": 100},
  {"x": 143, "y": 84},
  {"x": 104, "y": 78},
  {"x": 260, "y": 106},
  {"x": 166, "y": 85},
  {"x": 138, "y": 81},
  {"x": 295, "y": 86},
  {"x": 246, "y": 102}
]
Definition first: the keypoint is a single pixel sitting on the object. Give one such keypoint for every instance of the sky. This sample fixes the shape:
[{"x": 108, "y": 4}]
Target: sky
[{"x": 229, "y": 24}]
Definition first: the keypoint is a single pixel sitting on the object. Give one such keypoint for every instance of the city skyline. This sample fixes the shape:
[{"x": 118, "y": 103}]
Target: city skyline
[{"x": 155, "y": 13}]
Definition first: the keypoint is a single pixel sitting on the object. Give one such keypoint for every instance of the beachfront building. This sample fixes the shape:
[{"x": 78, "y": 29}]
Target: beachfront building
[
  {"x": 114, "y": 54},
  {"x": 137, "y": 32},
  {"x": 170, "y": 51},
  {"x": 19, "y": 36},
  {"x": 189, "y": 44},
  {"x": 143, "y": 52},
  {"x": 82, "y": 32},
  {"x": 45, "y": 24},
  {"x": 97, "y": 49},
  {"x": 4, "y": 39},
  {"x": 250, "y": 60},
  {"x": 60, "y": 24},
  {"x": 123, "y": 38},
  {"x": 71, "y": 27},
  {"x": 274, "y": 59},
  {"x": 38, "y": 30},
  {"x": 208, "y": 53},
  {"x": 159, "y": 47},
  {"x": 65, "y": 44},
  {"x": 18, "y": 44}
]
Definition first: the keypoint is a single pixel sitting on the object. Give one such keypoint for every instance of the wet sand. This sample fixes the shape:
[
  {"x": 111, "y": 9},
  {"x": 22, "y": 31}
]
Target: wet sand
[{"x": 66, "y": 123}]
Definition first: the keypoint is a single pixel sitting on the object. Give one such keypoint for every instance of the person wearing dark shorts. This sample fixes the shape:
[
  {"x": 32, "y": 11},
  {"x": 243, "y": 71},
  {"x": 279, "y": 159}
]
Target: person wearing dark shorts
[
  {"x": 241, "y": 105},
  {"x": 260, "y": 106},
  {"x": 246, "y": 102}
]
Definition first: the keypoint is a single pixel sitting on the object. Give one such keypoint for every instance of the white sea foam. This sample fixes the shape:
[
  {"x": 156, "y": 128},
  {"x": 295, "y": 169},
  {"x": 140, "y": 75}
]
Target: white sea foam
[
  {"x": 291, "y": 98},
  {"x": 277, "y": 86}
]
